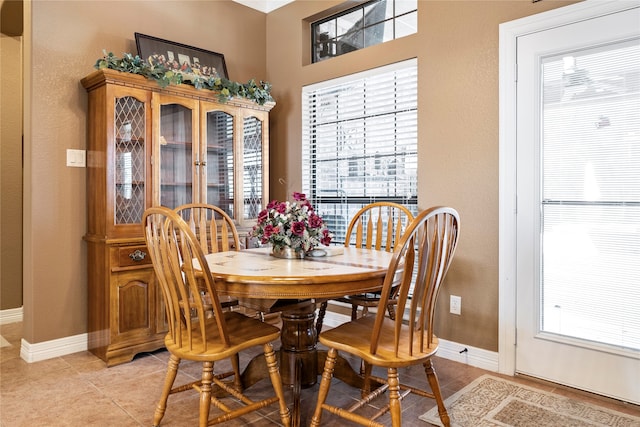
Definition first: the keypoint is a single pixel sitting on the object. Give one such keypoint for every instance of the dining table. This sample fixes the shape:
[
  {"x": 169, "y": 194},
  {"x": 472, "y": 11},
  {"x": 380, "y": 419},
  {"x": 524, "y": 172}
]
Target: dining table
[{"x": 255, "y": 274}]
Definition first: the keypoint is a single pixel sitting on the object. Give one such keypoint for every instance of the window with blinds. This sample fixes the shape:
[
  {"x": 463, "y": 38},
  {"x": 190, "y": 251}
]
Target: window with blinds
[{"x": 359, "y": 137}]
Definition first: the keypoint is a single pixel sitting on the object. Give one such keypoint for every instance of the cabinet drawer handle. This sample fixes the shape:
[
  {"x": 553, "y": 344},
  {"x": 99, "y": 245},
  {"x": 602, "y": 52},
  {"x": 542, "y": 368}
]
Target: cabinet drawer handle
[{"x": 137, "y": 255}]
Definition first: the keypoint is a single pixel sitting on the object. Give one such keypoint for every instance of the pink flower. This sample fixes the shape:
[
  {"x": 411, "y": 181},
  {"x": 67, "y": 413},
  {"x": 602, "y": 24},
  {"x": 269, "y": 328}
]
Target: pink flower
[
  {"x": 269, "y": 230},
  {"x": 299, "y": 196},
  {"x": 298, "y": 228},
  {"x": 272, "y": 204},
  {"x": 315, "y": 221},
  {"x": 326, "y": 237},
  {"x": 263, "y": 216},
  {"x": 281, "y": 208}
]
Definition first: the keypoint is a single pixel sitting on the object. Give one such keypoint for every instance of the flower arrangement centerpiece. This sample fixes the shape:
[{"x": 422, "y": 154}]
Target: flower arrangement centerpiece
[{"x": 293, "y": 229}]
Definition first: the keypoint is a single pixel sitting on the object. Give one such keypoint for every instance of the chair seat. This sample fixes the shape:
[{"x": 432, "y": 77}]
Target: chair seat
[
  {"x": 244, "y": 332},
  {"x": 355, "y": 338}
]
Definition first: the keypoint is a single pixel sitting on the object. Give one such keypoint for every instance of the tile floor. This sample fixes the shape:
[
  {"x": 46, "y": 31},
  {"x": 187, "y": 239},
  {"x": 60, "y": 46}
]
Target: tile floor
[{"x": 79, "y": 390}]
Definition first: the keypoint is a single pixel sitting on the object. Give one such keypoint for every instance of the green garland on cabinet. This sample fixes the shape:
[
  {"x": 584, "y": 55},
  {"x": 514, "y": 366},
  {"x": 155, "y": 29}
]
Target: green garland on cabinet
[{"x": 260, "y": 93}]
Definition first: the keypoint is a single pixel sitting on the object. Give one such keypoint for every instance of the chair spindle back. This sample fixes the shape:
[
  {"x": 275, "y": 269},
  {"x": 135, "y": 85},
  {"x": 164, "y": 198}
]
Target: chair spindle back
[
  {"x": 378, "y": 226},
  {"x": 213, "y": 227},
  {"x": 191, "y": 303},
  {"x": 426, "y": 249}
]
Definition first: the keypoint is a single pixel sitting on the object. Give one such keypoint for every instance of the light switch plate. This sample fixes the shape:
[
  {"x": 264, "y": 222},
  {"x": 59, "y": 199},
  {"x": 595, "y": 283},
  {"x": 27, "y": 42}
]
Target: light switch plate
[{"x": 76, "y": 158}]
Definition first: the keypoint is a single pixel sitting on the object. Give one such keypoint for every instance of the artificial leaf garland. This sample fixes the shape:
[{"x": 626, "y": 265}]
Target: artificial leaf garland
[{"x": 227, "y": 89}]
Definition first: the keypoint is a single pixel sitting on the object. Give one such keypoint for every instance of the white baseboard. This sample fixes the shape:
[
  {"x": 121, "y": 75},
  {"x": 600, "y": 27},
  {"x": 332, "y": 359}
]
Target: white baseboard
[
  {"x": 44, "y": 350},
  {"x": 11, "y": 315},
  {"x": 54, "y": 348},
  {"x": 474, "y": 356}
]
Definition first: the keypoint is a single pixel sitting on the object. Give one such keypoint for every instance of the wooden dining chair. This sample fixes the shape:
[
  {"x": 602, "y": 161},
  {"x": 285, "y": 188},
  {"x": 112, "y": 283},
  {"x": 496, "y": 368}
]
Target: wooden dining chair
[
  {"x": 377, "y": 226},
  {"x": 199, "y": 334},
  {"x": 215, "y": 231},
  {"x": 422, "y": 256}
]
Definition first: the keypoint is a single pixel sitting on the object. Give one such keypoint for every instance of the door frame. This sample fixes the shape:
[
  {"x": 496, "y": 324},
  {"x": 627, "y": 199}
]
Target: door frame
[{"x": 507, "y": 259}]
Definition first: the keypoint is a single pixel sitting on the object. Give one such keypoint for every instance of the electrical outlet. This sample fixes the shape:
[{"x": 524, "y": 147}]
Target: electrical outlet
[{"x": 455, "y": 304}]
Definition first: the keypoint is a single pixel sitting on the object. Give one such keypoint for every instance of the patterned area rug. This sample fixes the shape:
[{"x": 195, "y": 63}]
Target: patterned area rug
[{"x": 493, "y": 401}]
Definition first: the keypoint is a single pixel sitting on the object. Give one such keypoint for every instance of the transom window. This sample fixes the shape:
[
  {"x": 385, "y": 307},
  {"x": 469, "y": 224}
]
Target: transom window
[
  {"x": 368, "y": 24},
  {"x": 360, "y": 136}
]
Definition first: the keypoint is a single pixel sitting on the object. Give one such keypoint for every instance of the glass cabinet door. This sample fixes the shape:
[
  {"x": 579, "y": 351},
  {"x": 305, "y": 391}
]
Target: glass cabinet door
[
  {"x": 130, "y": 160},
  {"x": 176, "y": 154},
  {"x": 220, "y": 160},
  {"x": 253, "y": 170}
]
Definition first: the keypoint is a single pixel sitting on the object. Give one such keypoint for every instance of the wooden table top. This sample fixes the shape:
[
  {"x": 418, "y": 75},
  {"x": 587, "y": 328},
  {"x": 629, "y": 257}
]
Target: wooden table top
[{"x": 255, "y": 273}]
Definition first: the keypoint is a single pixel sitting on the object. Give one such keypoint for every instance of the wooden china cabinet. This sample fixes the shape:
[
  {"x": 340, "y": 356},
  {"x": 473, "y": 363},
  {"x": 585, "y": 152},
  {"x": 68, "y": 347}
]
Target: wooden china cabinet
[{"x": 150, "y": 146}]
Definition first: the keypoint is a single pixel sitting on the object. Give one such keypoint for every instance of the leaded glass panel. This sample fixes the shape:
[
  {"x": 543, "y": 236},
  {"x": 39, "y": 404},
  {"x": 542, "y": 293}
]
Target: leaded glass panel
[
  {"x": 252, "y": 167},
  {"x": 130, "y": 131}
]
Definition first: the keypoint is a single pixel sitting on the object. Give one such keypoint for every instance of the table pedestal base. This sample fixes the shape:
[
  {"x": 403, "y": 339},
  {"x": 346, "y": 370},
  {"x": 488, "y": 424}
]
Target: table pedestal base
[
  {"x": 298, "y": 363},
  {"x": 299, "y": 358}
]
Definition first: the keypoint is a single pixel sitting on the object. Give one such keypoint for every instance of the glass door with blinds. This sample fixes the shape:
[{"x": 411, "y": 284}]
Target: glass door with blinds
[
  {"x": 360, "y": 136},
  {"x": 578, "y": 216},
  {"x": 590, "y": 202},
  {"x": 219, "y": 137}
]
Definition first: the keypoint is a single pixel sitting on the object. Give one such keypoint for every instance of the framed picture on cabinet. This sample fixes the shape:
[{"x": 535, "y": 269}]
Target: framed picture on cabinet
[{"x": 187, "y": 60}]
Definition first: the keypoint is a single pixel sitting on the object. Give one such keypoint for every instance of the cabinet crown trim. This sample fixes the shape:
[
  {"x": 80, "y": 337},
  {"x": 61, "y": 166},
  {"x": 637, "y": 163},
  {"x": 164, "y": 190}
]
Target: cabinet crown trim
[{"x": 107, "y": 76}]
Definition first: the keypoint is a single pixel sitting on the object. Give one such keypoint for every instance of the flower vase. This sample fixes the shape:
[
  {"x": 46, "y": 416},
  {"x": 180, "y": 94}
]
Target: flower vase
[{"x": 287, "y": 253}]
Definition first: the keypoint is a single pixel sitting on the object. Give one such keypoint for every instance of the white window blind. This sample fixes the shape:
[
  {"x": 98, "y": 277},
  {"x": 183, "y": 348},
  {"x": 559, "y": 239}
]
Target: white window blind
[
  {"x": 359, "y": 137},
  {"x": 590, "y": 200}
]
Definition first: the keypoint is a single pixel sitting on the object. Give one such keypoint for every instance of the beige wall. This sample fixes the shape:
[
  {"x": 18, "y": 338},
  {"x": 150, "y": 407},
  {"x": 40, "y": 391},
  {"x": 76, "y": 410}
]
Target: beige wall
[
  {"x": 457, "y": 51},
  {"x": 62, "y": 43},
  {"x": 10, "y": 171}
]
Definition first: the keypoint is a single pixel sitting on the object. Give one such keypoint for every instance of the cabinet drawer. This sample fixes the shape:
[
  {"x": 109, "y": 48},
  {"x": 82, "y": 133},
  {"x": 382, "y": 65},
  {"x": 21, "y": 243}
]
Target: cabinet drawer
[{"x": 133, "y": 255}]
